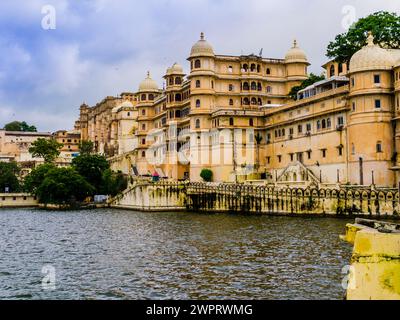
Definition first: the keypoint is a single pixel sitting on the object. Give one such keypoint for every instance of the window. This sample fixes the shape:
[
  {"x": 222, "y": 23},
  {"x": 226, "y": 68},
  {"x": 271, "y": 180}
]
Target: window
[
  {"x": 299, "y": 128},
  {"x": 318, "y": 125},
  {"x": 246, "y": 101},
  {"x": 231, "y": 87},
  {"x": 269, "y": 89},
  {"x": 253, "y": 86},
  {"x": 379, "y": 147},
  {"x": 291, "y": 131},
  {"x": 259, "y": 86},
  {"x": 198, "y": 103},
  {"x": 143, "y": 154},
  {"x": 309, "y": 154},
  {"x": 328, "y": 123},
  {"x": 246, "y": 86},
  {"x": 259, "y": 101},
  {"x": 377, "y": 79},
  {"x": 253, "y": 101},
  {"x": 323, "y": 153},
  {"x": 143, "y": 127},
  {"x": 143, "y": 97},
  {"x": 212, "y": 84},
  {"x": 197, "y": 64},
  {"x": 352, "y": 82},
  {"x": 230, "y": 69},
  {"x": 279, "y": 159},
  {"x": 340, "y": 151},
  {"x": 151, "y": 97},
  {"x": 178, "y": 80},
  {"x": 251, "y": 122},
  {"x": 198, "y": 83},
  {"x": 353, "y": 106},
  {"x": 340, "y": 121},
  {"x": 143, "y": 141},
  {"x": 353, "y": 149},
  {"x": 377, "y": 104},
  {"x": 332, "y": 71},
  {"x": 231, "y": 102},
  {"x": 143, "y": 112},
  {"x": 291, "y": 156},
  {"x": 268, "y": 71},
  {"x": 197, "y": 123},
  {"x": 231, "y": 121},
  {"x": 323, "y": 124},
  {"x": 178, "y": 97},
  {"x": 268, "y": 160},
  {"x": 308, "y": 127}
]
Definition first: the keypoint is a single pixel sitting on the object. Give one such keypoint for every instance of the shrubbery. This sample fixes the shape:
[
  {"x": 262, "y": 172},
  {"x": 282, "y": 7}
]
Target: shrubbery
[{"x": 206, "y": 175}]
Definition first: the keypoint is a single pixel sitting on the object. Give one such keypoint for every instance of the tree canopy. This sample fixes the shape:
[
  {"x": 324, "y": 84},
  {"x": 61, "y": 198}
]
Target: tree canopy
[
  {"x": 19, "y": 126},
  {"x": 9, "y": 172},
  {"x": 312, "y": 78},
  {"x": 35, "y": 178},
  {"x": 384, "y": 26},
  {"x": 91, "y": 167},
  {"x": 48, "y": 149}
]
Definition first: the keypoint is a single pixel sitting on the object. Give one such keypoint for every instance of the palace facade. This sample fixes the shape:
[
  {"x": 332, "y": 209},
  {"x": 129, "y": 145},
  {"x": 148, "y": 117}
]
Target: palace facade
[{"x": 233, "y": 115}]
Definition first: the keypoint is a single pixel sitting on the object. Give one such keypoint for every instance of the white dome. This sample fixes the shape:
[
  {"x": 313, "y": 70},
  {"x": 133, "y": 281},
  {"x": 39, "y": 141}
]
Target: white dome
[
  {"x": 175, "y": 69},
  {"x": 202, "y": 48},
  {"x": 295, "y": 54},
  {"x": 371, "y": 57},
  {"x": 148, "y": 84}
]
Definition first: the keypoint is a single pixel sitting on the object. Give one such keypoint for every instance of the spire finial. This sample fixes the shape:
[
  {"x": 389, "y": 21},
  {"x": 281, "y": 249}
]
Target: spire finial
[
  {"x": 370, "y": 39},
  {"x": 202, "y": 36},
  {"x": 148, "y": 74},
  {"x": 294, "y": 43}
]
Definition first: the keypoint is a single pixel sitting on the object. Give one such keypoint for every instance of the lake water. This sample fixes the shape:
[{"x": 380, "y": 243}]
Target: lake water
[{"x": 118, "y": 254}]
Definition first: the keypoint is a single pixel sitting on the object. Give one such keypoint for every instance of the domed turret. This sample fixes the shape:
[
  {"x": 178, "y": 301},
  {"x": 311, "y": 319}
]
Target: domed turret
[
  {"x": 148, "y": 84},
  {"x": 371, "y": 57},
  {"x": 202, "y": 48},
  {"x": 296, "y": 55},
  {"x": 176, "y": 69}
]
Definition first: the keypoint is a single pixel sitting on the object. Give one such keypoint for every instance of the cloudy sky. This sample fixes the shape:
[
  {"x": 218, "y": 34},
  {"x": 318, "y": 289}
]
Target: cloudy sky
[{"x": 104, "y": 47}]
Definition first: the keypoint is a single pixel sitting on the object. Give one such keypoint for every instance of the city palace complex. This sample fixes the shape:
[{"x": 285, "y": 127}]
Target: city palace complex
[{"x": 234, "y": 116}]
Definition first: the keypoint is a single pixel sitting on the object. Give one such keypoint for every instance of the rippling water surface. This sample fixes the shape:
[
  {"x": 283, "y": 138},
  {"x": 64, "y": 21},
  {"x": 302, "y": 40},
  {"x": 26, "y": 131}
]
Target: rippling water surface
[{"x": 117, "y": 254}]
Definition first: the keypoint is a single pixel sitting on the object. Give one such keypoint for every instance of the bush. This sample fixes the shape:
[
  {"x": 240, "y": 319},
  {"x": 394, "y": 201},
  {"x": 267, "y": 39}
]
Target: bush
[
  {"x": 9, "y": 177},
  {"x": 206, "y": 175}
]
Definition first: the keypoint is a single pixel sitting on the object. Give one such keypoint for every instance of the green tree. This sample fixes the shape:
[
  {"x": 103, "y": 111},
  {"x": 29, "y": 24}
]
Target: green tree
[
  {"x": 86, "y": 147},
  {"x": 91, "y": 167},
  {"x": 19, "y": 126},
  {"x": 113, "y": 182},
  {"x": 63, "y": 186},
  {"x": 384, "y": 26},
  {"x": 9, "y": 172},
  {"x": 206, "y": 175},
  {"x": 312, "y": 78},
  {"x": 36, "y": 177},
  {"x": 49, "y": 150}
]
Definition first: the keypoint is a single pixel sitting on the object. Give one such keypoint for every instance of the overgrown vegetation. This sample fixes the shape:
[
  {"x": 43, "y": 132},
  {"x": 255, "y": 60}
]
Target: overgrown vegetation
[
  {"x": 9, "y": 172},
  {"x": 19, "y": 126},
  {"x": 312, "y": 78}
]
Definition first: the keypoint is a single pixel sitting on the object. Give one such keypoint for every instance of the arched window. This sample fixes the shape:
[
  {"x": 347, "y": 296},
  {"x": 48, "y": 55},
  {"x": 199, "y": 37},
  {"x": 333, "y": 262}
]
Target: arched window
[
  {"x": 340, "y": 68},
  {"x": 171, "y": 81},
  {"x": 197, "y": 123},
  {"x": 328, "y": 123},
  {"x": 253, "y": 86},
  {"x": 231, "y": 102},
  {"x": 318, "y": 124},
  {"x": 177, "y": 113},
  {"x": 259, "y": 86},
  {"x": 212, "y": 84},
  {"x": 178, "y": 80},
  {"x": 251, "y": 122},
  {"x": 151, "y": 97},
  {"x": 143, "y": 154},
  {"x": 231, "y": 121},
  {"x": 197, "y": 64},
  {"x": 268, "y": 71},
  {"x": 178, "y": 97},
  {"x": 246, "y": 86},
  {"x": 332, "y": 71},
  {"x": 197, "y": 83},
  {"x": 269, "y": 89},
  {"x": 230, "y": 69},
  {"x": 143, "y": 112},
  {"x": 246, "y": 101},
  {"x": 379, "y": 146},
  {"x": 259, "y": 101},
  {"x": 245, "y": 67},
  {"x": 323, "y": 124},
  {"x": 198, "y": 103},
  {"x": 143, "y": 97},
  {"x": 258, "y": 68},
  {"x": 143, "y": 127},
  {"x": 253, "y": 67},
  {"x": 231, "y": 87},
  {"x": 253, "y": 101}
]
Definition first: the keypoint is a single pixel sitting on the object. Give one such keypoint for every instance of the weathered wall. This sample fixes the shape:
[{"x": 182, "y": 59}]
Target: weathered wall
[
  {"x": 10, "y": 200},
  {"x": 146, "y": 196},
  {"x": 375, "y": 263},
  {"x": 259, "y": 199}
]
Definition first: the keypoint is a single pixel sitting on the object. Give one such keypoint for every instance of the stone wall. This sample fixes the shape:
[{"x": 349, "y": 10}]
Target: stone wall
[
  {"x": 17, "y": 200},
  {"x": 241, "y": 198}
]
